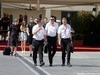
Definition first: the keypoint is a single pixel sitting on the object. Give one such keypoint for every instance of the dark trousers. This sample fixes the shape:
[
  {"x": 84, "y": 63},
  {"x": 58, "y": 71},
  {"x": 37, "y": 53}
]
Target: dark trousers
[
  {"x": 38, "y": 47},
  {"x": 92, "y": 40},
  {"x": 65, "y": 45},
  {"x": 51, "y": 43}
]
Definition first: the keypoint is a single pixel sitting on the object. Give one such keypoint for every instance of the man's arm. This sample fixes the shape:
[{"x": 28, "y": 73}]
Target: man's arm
[
  {"x": 27, "y": 30},
  {"x": 44, "y": 38},
  {"x": 8, "y": 34},
  {"x": 71, "y": 37},
  {"x": 59, "y": 39}
]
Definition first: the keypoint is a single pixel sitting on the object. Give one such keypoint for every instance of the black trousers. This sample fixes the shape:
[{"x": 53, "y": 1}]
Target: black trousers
[
  {"x": 65, "y": 45},
  {"x": 52, "y": 47},
  {"x": 38, "y": 47},
  {"x": 92, "y": 40}
]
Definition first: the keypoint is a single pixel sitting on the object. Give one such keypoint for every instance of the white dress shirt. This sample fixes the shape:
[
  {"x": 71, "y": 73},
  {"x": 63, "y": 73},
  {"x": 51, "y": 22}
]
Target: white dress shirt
[
  {"x": 51, "y": 30},
  {"x": 40, "y": 34},
  {"x": 65, "y": 31}
]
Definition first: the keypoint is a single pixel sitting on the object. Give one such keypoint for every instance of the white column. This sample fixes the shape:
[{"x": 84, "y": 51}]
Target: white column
[
  {"x": 95, "y": 13},
  {"x": 48, "y": 13}
]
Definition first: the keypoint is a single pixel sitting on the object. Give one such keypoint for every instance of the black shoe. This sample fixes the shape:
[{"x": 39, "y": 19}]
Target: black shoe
[
  {"x": 35, "y": 64},
  {"x": 41, "y": 64},
  {"x": 15, "y": 54},
  {"x": 11, "y": 53},
  {"x": 30, "y": 54},
  {"x": 69, "y": 64},
  {"x": 50, "y": 65},
  {"x": 63, "y": 64}
]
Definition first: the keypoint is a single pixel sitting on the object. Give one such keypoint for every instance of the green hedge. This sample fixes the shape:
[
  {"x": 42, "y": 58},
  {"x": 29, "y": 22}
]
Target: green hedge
[{"x": 81, "y": 23}]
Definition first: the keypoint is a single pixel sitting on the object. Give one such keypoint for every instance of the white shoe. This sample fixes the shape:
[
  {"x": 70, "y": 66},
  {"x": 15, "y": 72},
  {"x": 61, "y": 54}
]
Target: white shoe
[{"x": 22, "y": 52}]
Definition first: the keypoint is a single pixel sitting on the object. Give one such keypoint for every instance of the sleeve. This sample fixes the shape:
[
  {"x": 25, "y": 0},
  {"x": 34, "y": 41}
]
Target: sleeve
[
  {"x": 59, "y": 30},
  {"x": 33, "y": 29},
  {"x": 70, "y": 28},
  {"x": 46, "y": 28},
  {"x": 57, "y": 26},
  {"x": 44, "y": 32}
]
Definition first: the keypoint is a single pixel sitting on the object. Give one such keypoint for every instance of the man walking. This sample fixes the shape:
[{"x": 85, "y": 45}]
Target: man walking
[
  {"x": 13, "y": 34},
  {"x": 39, "y": 36},
  {"x": 51, "y": 32},
  {"x": 64, "y": 39}
]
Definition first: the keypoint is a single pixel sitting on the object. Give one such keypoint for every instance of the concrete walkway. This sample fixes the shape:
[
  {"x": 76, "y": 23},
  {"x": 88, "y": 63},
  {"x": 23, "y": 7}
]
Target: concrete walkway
[{"x": 83, "y": 63}]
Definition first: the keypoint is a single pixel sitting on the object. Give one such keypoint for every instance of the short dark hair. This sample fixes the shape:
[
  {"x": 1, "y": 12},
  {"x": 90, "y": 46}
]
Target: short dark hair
[
  {"x": 52, "y": 16},
  {"x": 38, "y": 20},
  {"x": 64, "y": 18},
  {"x": 40, "y": 16}
]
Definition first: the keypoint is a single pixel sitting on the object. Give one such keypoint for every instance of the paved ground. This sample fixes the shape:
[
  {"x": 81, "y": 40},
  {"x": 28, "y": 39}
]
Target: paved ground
[{"x": 84, "y": 63}]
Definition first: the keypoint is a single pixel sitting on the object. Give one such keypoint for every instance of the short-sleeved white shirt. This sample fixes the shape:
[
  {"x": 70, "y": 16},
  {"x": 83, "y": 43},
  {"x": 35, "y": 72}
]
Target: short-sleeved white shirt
[
  {"x": 39, "y": 35},
  {"x": 51, "y": 30},
  {"x": 64, "y": 31}
]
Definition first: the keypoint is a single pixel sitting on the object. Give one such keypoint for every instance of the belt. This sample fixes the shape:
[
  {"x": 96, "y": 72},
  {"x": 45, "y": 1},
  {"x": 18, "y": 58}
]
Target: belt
[
  {"x": 65, "y": 38},
  {"x": 23, "y": 31},
  {"x": 51, "y": 36},
  {"x": 38, "y": 40}
]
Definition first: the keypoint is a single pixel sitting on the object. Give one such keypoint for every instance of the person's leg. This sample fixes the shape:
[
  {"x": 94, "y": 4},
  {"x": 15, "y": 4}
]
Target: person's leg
[
  {"x": 41, "y": 53},
  {"x": 49, "y": 54},
  {"x": 35, "y": 44},
  {"x": 12, "y": 45},
  {"x": 53, "y": 44},
  {"x": 16, "y": 45},
  {"x": 12, "y": 49},
  {"x": 63, "y": 48},
  {"x": 30, "y": 44},
  {"x": 25, "y": 38},
  {"x": 15, "y": 49},
  {"x": 49, "y": 40},
  {"x": 22, "y": 46},
  {"x": 68, "y": 53},
  {"x": 54, "y": 50},
  {"x": 30, "y": 49},
  {"x": 5, "y": 34},
  {"x": 22, "y": 41}
]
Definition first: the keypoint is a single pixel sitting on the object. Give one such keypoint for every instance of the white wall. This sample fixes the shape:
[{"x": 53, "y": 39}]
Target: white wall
[{"x": 17, "y": 12}]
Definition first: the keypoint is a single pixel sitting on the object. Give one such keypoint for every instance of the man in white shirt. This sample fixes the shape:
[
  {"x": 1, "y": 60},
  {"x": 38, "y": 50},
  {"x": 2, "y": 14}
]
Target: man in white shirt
[
  {"x": 51, "y": 32},
  {"x": 65, "y": 39},
  {"x": 38, "y": 41}
]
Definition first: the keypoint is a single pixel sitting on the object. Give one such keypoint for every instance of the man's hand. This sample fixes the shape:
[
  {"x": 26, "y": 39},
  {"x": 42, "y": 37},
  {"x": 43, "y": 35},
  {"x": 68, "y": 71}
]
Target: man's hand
[
  {"x": 71, "y": 42},
  {"x": 59, "y": 42},
  {"x": 39, "y": 28},
  {"x": 8, "y": 37},
  {"x": 28, "y": 34}
]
